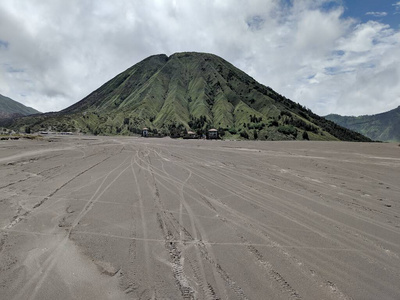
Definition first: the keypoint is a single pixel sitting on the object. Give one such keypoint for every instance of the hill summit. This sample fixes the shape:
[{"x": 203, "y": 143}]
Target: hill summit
[{"x": 190, "y": 91}]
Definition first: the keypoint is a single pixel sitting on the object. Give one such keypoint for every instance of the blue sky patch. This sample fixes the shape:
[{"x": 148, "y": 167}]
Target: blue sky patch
[
  {"x": 327, "y": 6},
  {"x": 14, "y": 70},
  {"x": 3, "y": 44},
  {"x": 332, "y": 70},
  {"x": 11, "y": 69},
  {"x": 338, "y": 53},
  {"x": 384, "y": 11},
  {"x": 255, "y": 22}
]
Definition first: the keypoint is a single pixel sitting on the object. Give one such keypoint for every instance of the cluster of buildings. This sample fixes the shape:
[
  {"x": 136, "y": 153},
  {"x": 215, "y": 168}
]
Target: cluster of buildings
[{"x": 212, "y": 134}]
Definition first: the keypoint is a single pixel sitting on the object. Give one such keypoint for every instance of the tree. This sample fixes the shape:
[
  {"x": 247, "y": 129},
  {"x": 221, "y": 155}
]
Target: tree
[
  {"x": 305, "y": 136},
  {"x": 232, "y": 130},
  {"x": 274, "y": 123},
  {"x": 221, "y": 132},
  {"x": 244, "y": 134}
]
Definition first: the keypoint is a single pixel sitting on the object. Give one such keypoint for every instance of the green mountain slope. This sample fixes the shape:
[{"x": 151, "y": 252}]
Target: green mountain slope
[
  {"x": 380, "y": 127},
  {"x": 10, "y": 108},
  {"x": 190, "y": 91}
]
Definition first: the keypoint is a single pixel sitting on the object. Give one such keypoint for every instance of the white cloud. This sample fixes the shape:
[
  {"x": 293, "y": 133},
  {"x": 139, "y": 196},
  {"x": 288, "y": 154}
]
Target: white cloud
[
  {"x": 63, "y": 51},
  {"x": 397, "y": 8},
  {"x": 377, "y": 13}
]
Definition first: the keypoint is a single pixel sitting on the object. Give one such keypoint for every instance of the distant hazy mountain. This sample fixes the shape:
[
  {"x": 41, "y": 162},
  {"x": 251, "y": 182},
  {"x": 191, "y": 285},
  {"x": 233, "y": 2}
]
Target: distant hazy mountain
[
  {"x": 380, "y": 127},
  {"x": 10, "y": 108},
  {"x": 190, "y": 91}
]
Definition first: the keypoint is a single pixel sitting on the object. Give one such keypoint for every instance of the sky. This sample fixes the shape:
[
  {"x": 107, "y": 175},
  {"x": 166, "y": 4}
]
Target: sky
[{"x": 337, "y": 56}]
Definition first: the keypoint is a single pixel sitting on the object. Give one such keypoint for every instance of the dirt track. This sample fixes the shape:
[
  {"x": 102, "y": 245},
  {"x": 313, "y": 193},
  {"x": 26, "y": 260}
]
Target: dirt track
[{"x": 133, "y": 218}]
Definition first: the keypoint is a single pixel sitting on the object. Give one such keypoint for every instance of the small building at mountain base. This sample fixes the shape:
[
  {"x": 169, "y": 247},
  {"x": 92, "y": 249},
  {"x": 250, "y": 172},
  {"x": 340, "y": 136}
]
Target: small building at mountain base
[
  {"x": 190, "y": 135},
  {"x": 212, "y": 134}
]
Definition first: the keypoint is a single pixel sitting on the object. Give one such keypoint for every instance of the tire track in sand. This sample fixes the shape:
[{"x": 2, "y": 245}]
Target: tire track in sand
[
  {"x": 249, "y": 226},
  {"x": 172, "y": 247},
  {"x": 39, "y": 276},
  {"x": 199, "y": 233},
  {"x": 149, "y": 268}
]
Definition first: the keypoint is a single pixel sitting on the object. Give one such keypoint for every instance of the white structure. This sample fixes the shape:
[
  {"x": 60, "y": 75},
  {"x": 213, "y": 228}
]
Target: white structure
[
  {"x": 213, "y": 133},
  {"x": 145, "y": 132}
]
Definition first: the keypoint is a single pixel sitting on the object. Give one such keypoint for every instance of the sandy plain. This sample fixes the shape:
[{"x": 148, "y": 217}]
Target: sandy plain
[{"x": 135, "y": 218}]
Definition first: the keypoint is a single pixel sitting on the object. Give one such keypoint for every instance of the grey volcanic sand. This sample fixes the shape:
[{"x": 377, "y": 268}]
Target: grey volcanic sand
[{"x": 135, "y": 218}]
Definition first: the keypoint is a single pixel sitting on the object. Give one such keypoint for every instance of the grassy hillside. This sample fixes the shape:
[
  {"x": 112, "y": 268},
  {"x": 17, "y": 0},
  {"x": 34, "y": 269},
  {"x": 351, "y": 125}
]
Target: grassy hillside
[
  {"x": 190, "y": 91},
  {"x": 381, "y": 127},
  {"x": 10, "y": 108}
]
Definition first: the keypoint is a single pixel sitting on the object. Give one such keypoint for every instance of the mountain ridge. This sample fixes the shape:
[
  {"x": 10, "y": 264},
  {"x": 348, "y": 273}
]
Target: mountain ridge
[
  {"x": 383, "y": 126},
  {"x": 190, "y": 91},
  {"x": 10, "y": 108}
]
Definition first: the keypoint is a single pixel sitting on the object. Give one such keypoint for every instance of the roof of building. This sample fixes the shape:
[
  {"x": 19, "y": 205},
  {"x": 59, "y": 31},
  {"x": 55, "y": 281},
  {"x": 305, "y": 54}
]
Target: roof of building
[{"x": 191, "y": 132}]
